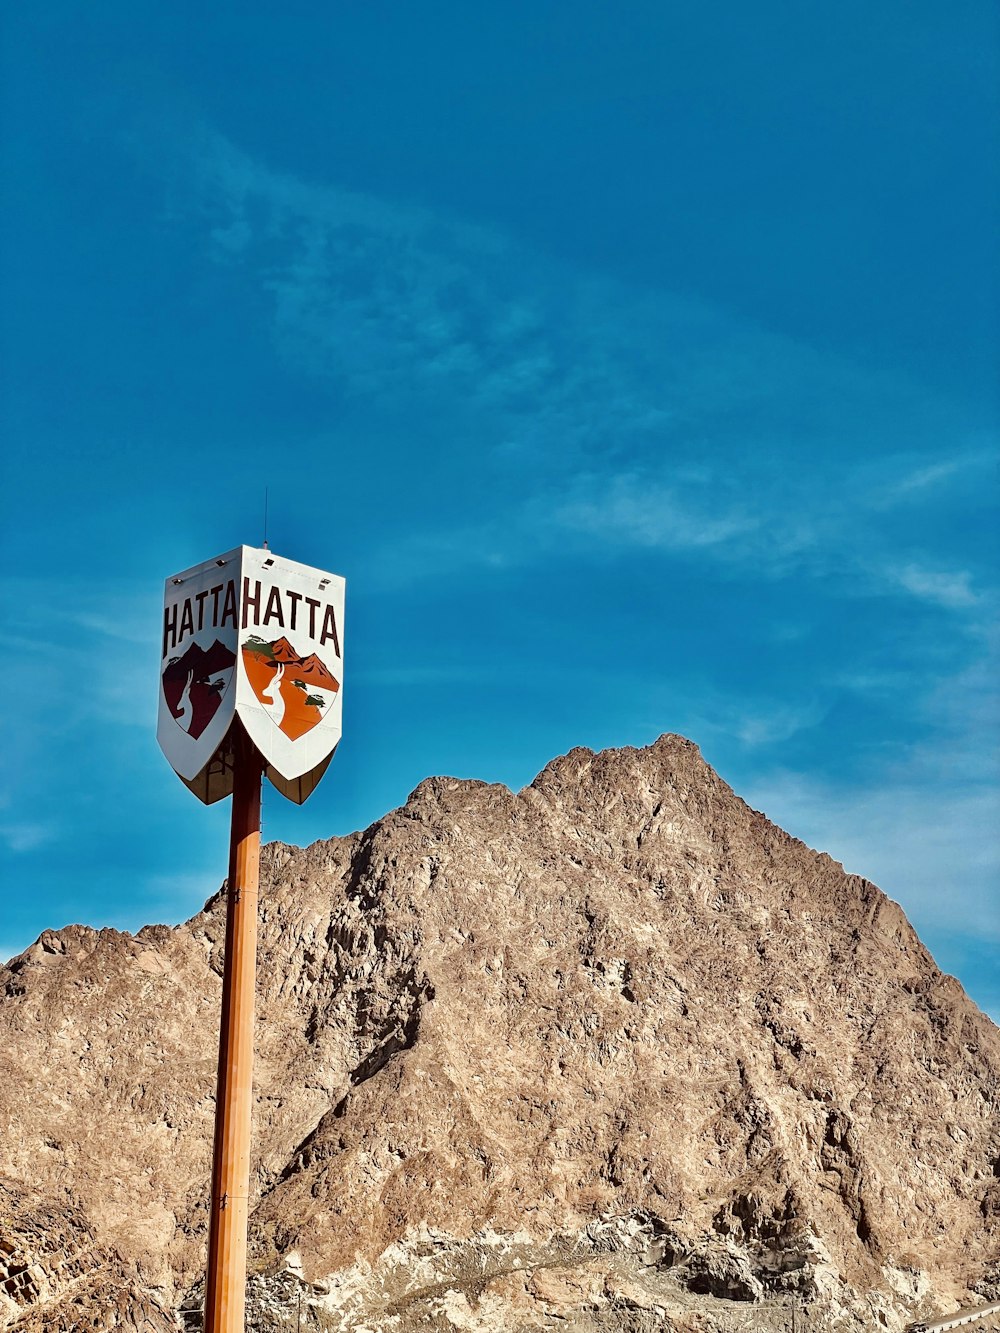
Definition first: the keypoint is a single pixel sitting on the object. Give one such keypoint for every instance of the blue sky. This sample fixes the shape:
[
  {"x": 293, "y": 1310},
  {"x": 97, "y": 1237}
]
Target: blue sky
[{"x": 636, "y": 366}]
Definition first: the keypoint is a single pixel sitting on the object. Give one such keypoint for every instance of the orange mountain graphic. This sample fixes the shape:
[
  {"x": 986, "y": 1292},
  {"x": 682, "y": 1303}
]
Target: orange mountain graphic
[
  {"x": 281, "y": 681},
  {"x": 311, "y": 670},
  {"x": 282, "y": 651}
]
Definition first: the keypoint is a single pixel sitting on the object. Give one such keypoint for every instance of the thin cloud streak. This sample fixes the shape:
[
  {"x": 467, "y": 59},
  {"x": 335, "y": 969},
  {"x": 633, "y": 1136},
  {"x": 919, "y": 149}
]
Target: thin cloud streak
[
  {"x": 913, "y": 486},
  {"x": 651, "y": 517},
  {"x": 26, "y": 837},
  {"x": 776, "y": 537},
  {"x": 950, "y": 589}
]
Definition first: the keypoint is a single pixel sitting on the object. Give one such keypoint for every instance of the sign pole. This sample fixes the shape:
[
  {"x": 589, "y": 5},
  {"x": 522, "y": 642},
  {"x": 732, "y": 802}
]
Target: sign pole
[
  {"x": 225, "y": 1294},
  {"x": 252, "y": 665}
]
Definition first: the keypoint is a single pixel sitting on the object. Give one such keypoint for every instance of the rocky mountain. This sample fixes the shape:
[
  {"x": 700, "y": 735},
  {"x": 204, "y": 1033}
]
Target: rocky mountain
[{"x": 613, "y": 1053}]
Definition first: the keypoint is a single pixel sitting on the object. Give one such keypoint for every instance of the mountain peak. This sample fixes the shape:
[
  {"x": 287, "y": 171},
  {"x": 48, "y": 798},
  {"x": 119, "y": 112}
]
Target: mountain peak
[{"x": 669, "y": 754}]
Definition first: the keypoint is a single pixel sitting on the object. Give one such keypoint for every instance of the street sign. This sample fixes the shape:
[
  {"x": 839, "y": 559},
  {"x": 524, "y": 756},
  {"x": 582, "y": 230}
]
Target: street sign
[
  {"x": 251, "y": 676},
  {"x": 255, "y": 638}
]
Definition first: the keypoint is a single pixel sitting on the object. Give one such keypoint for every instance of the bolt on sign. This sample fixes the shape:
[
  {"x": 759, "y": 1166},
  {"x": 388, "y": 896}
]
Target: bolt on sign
[{"x": 254, "y": 637}]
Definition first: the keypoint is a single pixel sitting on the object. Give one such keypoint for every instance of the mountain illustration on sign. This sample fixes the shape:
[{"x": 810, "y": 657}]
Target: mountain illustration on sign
[
  {"x": 194, "y": 683},
  {"x": 294, "y": 690}
]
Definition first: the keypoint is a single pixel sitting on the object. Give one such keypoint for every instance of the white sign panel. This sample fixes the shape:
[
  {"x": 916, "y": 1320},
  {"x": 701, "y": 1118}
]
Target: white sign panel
[
  {"x": 201, "y": 612},
  {"x": 291, "y": 661},
  {"x": 258, "y": 638}
]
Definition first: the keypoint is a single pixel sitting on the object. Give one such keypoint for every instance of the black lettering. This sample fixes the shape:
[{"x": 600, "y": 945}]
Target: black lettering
[
  {"x": 313, "y": 606},
  {"x": 329, "y": 630},
  {"x": 199, "y": 597},
  {"x": 273, "y": 611},
  {"x": 229, "y": 605},
  {"x": 187, "y": 619},
  {"x": 294, "y": 598},
  {"x": 169, "y": 626},
  {"x": 215, "y": 603},
  {"x": 249, "y": 601}
]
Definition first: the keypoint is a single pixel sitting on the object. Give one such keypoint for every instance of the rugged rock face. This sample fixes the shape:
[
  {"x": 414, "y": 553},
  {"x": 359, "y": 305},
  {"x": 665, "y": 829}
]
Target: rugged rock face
[{"x": 613, "y": 1053}]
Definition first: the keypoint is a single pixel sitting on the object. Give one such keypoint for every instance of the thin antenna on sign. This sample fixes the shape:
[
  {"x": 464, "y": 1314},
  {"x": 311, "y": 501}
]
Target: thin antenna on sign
[{"x": 266, "y": 547}]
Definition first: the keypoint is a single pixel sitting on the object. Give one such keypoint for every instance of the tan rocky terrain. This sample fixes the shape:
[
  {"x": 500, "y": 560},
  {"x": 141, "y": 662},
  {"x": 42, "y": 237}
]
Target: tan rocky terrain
[{"x": 612, "y": 1053}]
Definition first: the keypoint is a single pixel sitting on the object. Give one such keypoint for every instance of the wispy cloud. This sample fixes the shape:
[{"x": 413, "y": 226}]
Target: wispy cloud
[
  {"x": 781, "y": 530},
  {"x": 754, "y": 726},
  {"x": 26, "y": 836},
  {"x": 632, "y": 420},
  {"x": 920, "y": 482},
  {"x": 950, "y": 589},
  {"x": 651, "y": 516}
]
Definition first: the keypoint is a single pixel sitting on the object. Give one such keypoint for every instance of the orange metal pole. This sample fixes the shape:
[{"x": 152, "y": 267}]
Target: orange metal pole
[{"x": 225, "y": 1294}]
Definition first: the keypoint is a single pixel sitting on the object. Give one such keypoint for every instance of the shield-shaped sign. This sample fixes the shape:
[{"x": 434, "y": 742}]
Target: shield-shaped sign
[{"x": 258, "y": 638}]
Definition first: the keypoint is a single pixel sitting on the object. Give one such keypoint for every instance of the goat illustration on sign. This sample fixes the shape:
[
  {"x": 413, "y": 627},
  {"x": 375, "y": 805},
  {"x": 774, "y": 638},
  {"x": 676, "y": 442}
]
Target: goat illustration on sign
[
  {"x": 195, "y": 684},
  {"x": 294, "y": 690}
]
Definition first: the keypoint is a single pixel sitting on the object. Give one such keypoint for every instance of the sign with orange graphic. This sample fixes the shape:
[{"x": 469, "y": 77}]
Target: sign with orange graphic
[{"x": 254, "y": 639}]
